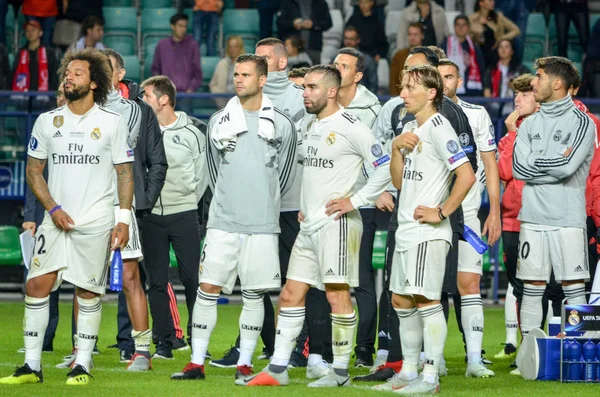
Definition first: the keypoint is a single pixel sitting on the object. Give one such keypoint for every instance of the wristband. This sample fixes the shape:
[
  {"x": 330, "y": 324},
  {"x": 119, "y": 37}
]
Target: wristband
[
  {"x": 124, "y": 216},
  {"x": 440, "y": 214},
  {"x": 53, "y": 210}
]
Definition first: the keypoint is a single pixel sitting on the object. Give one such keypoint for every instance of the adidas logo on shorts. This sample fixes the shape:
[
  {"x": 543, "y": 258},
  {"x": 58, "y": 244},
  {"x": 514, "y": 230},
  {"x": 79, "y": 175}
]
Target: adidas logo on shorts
[
  {"x": 536, "y": 136},
  {"x": 57, "y": 134},
  {"x": 92, "y": 281},
  {"x": 277, "y": 277},
  {"x": 329, "y": 272},
  {"x": 406, "y": 283},
  {"x": 579, "y": 269}
]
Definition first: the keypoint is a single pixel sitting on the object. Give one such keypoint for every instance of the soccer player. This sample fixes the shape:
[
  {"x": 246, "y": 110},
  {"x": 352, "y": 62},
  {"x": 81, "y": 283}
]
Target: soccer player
[
  {"x": 325, "y": 254},
  {"x": 174, "y": 218},
  {"x": 132, "y": 254},
  {"x": 287, "y": 97},
  {"x": 424, "y": 158},
  {"x": 363, "y": 104},
  {"x": 82, "y": 142},
  {"x": 552, "y": 155},
  {"x": 251, "y": 159},
  {"x": 469, "y": 261}
]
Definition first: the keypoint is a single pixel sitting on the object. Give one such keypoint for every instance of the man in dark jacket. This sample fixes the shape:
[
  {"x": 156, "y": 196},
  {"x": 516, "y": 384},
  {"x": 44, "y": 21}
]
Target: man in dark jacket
[{"x": 309, "y": 18}]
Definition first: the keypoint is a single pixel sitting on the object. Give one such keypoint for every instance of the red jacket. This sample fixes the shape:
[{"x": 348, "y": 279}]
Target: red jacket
[
  {"x": 511, "y": 199},
  {"x": 592, "y": 188}
]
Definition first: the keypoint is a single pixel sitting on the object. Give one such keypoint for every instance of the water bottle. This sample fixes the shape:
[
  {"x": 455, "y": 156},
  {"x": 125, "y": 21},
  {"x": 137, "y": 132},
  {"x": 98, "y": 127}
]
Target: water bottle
[
  {"x": 589, "y": 356},
  {"x": 575, "y": 350},
  {"x": 565, "y": 363},
  {"x": 116, "y": 271},
  {"x": 474, "y": 240}
]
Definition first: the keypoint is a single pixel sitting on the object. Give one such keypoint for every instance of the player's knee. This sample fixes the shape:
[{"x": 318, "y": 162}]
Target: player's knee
[
  {"x": 566, "y": 283},
  {"x": 210, "y": 289},
  {"x": 41, "y": 286},
  {"x": 402, "y": 302},
  {"x": 339, "y": 299},
  {"x": 290, "y": 296},
  {"x": 131, "y": 280},
  {"x": 535, "y": 282}
]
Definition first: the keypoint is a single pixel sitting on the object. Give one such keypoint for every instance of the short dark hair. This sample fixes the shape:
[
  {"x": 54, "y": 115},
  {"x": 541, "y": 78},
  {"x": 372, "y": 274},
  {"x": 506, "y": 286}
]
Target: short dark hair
[
  {"x": 431, "y": 56},
  {"x": 429, "y": 77},
  {"x": 559, "y": 67},
  {"x": 262, "y": 67},
  {"x": 178, "y": 17},
  {"x": 441, "y": 54},
  {"x": 298, "y": 72},
  {"x": 360, "y": 57},
  {"x": 522, "y": 83},
  {"x": 449, "y": 62},
  {"x": 162, "y": 85},
  {"x": 329, "y": 72},
  {"x": 89, "y": 22},
  {"x": 417, "y": 25},
  {"x": 296, "y": 41},
  {"x": 270, "y": 41},
  {"x": 351, "y": 28},
  {"x": 100, "y": 71},
  {"x": 463, "y": 17},
  {"x": 109, "y": 52}
]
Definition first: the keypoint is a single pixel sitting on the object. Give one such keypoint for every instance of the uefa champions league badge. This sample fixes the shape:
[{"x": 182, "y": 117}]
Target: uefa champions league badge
[{"x": 96, "y": 134}]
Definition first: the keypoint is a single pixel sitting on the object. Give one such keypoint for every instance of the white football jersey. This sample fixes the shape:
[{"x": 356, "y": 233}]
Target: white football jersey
[
  {"x": 426, "y": 180},
  {"x": 334, "y": 150},
  {"x": 81, "y": 151},
  {"x": 483, "y": 132}
]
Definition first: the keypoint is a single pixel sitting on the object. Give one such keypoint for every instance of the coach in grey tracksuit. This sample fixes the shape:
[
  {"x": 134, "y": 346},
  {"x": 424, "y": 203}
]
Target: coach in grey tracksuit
[{"x": 552, "y": 155}]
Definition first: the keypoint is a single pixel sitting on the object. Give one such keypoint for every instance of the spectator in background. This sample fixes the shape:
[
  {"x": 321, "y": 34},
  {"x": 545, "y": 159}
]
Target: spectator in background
[
  {"x": 4, "y": 68},
  {"x": 222, "y": 78},
  {"x": 430, "y": 15},
  {"x": 378, "y": 9},
  {"x": 415, "y": 37},
  {"x": 489, "y": 27},
  {"x": 309, "y": 18},
  {"x": 296, "y": 75},
  {"x": 460, "y": 48},
  {"x": 92, "y": 32},
  {"x": 566, "y": 11},
  {"x": 498, "y": 77},
  {"x": 369, "y": 79},
  {"x": 3, "y": 13},
  {"x": 35, "y": 65},
  {"x": 80, "y": 10},
  {"x": 45, "y": 13},
  {"x": 178, "y": 57},
  {"x": 206, "y": 13},
  {"x": 266, "y": 11},
  {"x": 297, "y": 56},
  {"x": 370, "y": 29},
  {"x": 518, "y": 12},
  {"x": 590, "y": 86}
]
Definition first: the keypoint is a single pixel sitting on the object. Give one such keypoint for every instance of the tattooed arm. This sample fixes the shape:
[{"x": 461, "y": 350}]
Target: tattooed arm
[
  {"x": 35, "y": 178},
  {"x": 125, "y": 184}
]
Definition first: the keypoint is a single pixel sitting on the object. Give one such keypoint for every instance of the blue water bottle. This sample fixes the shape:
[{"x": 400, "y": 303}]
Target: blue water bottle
[
  {"x": 575, "y": 350},
  {"x": 566, "y": 359},
  {"x": 589, "y": 356},
  {"x": 116, "y": 271},
  {"x": 474, "y": 240}
]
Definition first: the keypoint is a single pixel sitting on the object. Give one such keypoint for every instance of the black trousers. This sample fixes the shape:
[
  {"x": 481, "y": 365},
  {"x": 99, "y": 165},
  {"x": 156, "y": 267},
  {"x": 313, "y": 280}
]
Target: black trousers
[
  {"x": 389, "y": 325},
  {"x": 564, "y": 14},
  {"x": 182, "y": 230},
  {"x": 373, "y": 219}
]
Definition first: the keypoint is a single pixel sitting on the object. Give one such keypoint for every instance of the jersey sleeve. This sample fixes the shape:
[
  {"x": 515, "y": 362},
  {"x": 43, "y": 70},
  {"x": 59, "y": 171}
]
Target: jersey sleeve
[
  {"x": 38, "y": 144},
  {"x": 213, "y": 158},
  {"x": 485, "y": 138},
  {"x": 121, "y": 152},
  {"x": 365, "y": 145},
  {"x": 447, "y": 147},
  {"x": 288, "y": 155}
]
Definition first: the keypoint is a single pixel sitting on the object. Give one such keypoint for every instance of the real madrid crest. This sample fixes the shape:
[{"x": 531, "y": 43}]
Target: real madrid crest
[
  {"x": 330, "y": 139},
  {"x": 36, "y": 263},
  {"x": 420, "y": 147},
  {"x": 402, "y": 113},
  {"x": 574, "y": 318},
  {"x": 96, "y": 134},
  {"x": 58, "y": 121},
  {"x": 557, "y": 136}
]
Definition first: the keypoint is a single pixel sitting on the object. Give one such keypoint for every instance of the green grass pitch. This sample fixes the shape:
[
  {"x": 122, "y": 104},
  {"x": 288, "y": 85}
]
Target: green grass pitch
[{"x": 111, "y": 379}]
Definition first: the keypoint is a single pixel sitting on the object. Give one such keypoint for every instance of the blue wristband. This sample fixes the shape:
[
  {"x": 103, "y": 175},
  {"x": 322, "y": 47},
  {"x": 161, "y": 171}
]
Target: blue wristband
[{"x": 53, "y": 210}]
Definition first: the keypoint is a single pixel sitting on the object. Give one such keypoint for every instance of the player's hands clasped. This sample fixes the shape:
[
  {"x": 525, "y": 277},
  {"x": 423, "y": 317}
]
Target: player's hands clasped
[
  {"x": 385, "y": 202},
  {"x": 119, "y": 236},
  {"x": 407, "y": 140},
  {"x": 62, "y": 220},
  {"x": 341, "y": 206},
  {"x": 427, "y": 215}
]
